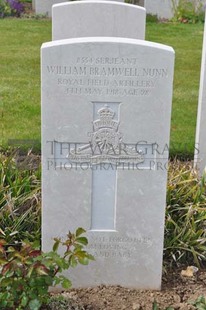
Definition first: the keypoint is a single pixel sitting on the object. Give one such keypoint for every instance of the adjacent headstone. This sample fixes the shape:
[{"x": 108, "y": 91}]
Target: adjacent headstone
[
  {"x": 161, "y": 8},
  {"x": 33, "y": 5},
  {"x": 97, "y": 18},
  {"x": 44, "y": 7},
  {"x": 106, "y": 106},
  {"x": 166, "y": 8},
  {"x": 200, "y": 141}
]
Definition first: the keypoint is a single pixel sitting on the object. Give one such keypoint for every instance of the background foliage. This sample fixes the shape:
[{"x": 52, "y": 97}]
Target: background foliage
[
  {"x": 187, "y": 11},
  {"x": 11, "y": 8},
  {"x": 185, "y": 225},
  {"x": 27, "y": 273},
  {"x": 20, "y": 209}
]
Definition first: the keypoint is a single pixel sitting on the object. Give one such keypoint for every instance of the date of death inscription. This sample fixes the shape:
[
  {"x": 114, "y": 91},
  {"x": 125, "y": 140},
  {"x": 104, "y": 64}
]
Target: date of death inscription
[{"x": 106, "y": 77}]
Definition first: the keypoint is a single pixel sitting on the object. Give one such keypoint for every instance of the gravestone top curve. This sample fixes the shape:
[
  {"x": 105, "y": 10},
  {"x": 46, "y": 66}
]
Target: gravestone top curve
[
  {"x": 83, "y": 2},
  {"x": 98, "y": 18},
  {"x": 108, "y": 40}
]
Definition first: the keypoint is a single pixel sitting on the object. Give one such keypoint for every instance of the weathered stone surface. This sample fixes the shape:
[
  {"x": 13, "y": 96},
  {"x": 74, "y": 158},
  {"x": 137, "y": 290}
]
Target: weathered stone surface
[{"x": 106, "y": 107}]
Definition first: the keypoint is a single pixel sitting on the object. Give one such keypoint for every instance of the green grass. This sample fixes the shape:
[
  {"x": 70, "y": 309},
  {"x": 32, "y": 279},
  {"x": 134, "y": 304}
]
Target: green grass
[
  {"x": 187, "y": 43},
  {"x": 20, "y": 78}
]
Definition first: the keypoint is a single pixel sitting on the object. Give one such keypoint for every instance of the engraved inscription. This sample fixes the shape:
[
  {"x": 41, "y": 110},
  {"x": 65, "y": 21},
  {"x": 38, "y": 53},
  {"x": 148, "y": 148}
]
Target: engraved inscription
[
  {"x": 117, "y": 246},
  {"x": 104, "y": 76}
]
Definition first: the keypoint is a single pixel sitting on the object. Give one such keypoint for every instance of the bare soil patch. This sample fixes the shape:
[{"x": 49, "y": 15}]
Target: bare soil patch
[{"x": 177, "y": 291}]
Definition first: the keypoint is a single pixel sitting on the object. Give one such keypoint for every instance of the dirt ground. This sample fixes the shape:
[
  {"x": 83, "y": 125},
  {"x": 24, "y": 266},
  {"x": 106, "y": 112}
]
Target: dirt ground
[{"x": 177, "y": 291}]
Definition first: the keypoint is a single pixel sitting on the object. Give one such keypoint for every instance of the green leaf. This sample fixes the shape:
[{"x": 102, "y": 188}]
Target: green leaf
[
  {"x": 3, "y": 303},
  {"x": 3, "y": 261},
  {"x": 83, "y": 260},
  {"x": 4, "y": 299},
  {"x": 155, "y": 306},
  {"x": 34, "y": 304},
  {"x": 83, "y": 254},
  {"x": 80, "y": 254},
  {"x": 56, "y": 281},
  {"x": 6, "y": 281},
  {"x": 90, "y": 256},
  {"x": 80, "y": 231},
  {"x": 66, "y": 283},
  {"x": 62, "y": 263},
  {"x": 56, "y": 245},
  {"x": 30, "y": 270},
  {"x": 82, "y": 240},
  {"x": 201, "y": 306},
  {"x": 72, "y": 261},
  {"x": 199, "y": 299},
  {"x": 24, "y": 301},
  {"x": 36, "y": 245},
  {"x": 49, "y": 280}
]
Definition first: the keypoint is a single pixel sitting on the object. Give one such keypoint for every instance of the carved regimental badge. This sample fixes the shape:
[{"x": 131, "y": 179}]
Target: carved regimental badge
[{"x": 106, "y": 144}]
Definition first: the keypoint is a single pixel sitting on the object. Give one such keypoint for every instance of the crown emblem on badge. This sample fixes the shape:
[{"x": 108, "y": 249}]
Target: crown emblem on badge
[
  {"x": 106, "y": 144},
  {"x": 106, "y": 120},
  {"x": 105, "y": 113}
]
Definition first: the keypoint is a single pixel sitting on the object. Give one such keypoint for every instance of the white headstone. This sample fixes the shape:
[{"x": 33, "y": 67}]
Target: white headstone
[
  {"x": 200, "y": 141},
  {"x": 161, "y": 8},
  {"x": 33, "y": 5},
  {"x": 106, "y": 106},
  {"x": 45, "y": 6},
  {"x": 97, "y": 18}
]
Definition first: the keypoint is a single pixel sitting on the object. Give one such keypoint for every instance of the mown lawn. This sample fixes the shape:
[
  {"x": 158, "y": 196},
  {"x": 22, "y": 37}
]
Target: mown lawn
[
  {"x": 186, "y": 39},
  {"x": 20, "y": 78}
]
